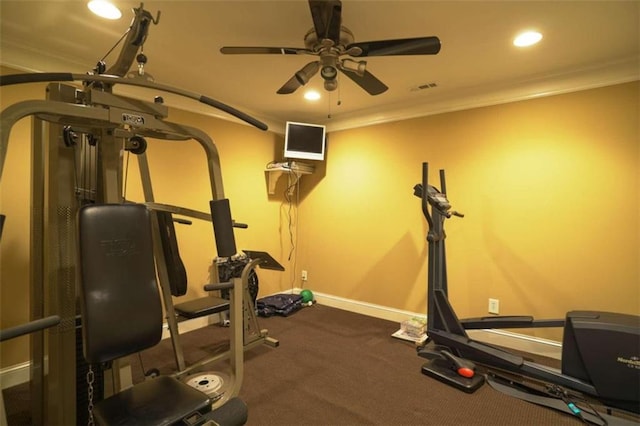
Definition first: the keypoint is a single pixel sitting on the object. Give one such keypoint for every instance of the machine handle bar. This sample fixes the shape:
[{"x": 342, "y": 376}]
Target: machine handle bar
[
  {"x": 218, "y": 286},
  {"x": 6, "y": 80},
  {"x": 30, "y": 327}
]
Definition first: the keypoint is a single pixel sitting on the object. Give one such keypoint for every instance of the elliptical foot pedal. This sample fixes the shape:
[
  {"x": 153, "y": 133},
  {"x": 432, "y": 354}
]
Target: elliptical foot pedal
[{"x": 440, "y": 369}]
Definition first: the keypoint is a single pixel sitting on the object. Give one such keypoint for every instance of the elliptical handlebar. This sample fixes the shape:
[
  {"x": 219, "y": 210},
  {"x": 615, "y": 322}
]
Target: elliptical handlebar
[
  {"x": 432, "y": 196},
  {"x": 425, "y": 194}
]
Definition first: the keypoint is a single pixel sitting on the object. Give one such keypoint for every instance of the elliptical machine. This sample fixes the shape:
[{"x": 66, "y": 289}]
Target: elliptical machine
[{"x": 600, "y": 351}]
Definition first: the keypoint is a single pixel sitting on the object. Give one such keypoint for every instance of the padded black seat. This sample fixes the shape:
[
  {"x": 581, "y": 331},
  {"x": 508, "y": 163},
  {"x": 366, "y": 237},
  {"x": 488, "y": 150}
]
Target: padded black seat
[
  {"x": 141, "y": 404},
  {"x": 177, "y": 274},
  {"x": 122, "y": 313},
  {"x": 202, "y": 306}
]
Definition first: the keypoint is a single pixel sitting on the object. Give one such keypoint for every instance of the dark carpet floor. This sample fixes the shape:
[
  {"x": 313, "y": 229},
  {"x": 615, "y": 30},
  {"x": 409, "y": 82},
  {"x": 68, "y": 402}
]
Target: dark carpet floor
[{"x": 334, "y": 367}]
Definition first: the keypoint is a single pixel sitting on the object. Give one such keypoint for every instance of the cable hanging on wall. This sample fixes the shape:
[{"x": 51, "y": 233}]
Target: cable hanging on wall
[{"x": 292, "y": 190}]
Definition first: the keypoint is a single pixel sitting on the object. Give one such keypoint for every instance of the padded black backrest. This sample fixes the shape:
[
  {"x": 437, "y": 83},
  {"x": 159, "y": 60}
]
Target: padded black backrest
[
  {"x": 223, "y": 227},
  {"x": 175, "y": 268},
  {"x": 119, "y": 297}
]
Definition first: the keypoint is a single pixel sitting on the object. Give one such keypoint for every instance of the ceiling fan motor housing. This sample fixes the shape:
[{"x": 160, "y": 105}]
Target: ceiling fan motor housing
[
  {"x": 329, "y": 40},
  {"x": 312, "y": 43}
]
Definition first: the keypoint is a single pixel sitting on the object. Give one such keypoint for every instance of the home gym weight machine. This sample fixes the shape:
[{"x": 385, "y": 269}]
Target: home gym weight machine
[
  {"x": 79, "y": 135},
  {"x": 174, "y": 279},
  {"x": 600, "y": 351}
]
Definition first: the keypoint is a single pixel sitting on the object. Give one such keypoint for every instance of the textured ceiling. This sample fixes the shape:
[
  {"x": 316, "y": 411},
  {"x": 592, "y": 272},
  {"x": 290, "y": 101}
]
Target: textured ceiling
[{"x": 586, "y": 44}]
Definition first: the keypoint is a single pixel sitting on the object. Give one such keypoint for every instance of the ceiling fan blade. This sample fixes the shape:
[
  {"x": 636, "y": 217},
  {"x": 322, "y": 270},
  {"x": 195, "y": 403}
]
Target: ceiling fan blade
[
  {"x": 405, "y": 46},
  {"x": 327, "y": 18},
  {"x": 289, "y": 87},
  {"x": 367, "y": 81},
  {"x": 300, "y": 78},
  {"x": 241, "y": 50}
]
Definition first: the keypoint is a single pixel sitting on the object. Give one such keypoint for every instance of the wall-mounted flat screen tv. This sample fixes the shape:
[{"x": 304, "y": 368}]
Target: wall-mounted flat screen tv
[{"x": 304, "y": 141}]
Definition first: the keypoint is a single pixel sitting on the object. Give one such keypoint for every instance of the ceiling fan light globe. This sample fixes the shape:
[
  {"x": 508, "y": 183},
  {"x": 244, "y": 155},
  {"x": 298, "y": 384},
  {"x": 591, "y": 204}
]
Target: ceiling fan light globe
[
  {"x": 359, "y": 67},
  {"x": 328, "y": 72},
  {"x": 330, "y": 85}
]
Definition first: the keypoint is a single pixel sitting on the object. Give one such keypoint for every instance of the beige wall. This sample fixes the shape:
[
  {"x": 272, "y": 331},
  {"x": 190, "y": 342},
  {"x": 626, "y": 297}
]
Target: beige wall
[
  {"x": 549, "y": 187},
  {"x": 14, "y": 249}
]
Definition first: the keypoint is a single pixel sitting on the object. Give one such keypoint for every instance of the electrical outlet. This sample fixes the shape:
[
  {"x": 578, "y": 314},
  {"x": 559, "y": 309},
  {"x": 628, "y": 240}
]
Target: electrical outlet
[
  {"x": 304, "y": 275},
  {"x": 494, "y": 306}
]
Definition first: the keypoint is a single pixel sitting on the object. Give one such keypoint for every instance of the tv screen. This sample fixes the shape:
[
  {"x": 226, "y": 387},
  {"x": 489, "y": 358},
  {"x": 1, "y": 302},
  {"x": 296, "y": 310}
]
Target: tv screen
[{"x": 304, "y": 141}]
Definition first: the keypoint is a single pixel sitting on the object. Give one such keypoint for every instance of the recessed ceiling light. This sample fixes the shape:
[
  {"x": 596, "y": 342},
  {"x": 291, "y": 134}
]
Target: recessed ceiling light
[
  {"x": 527, "y": 38},
  {"x": 104, "y": 9},
  {"x": 312, "y": 95}
]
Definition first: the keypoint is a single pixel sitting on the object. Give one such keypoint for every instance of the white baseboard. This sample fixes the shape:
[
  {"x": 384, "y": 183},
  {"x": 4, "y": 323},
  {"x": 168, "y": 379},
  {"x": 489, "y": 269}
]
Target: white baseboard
[
  {"x": 14, "y": 375},
  {"x": 520, "y": 342},
  {"x": 19, "y": 373},
  {"x": 363, "y": 308},
  {"x": 517, "y": 341},
  {"x": 190, "y": 325}
]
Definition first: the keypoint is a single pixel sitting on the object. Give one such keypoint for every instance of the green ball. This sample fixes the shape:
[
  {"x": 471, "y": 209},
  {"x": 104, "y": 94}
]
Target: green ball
[{"x": 307, "y": 296}]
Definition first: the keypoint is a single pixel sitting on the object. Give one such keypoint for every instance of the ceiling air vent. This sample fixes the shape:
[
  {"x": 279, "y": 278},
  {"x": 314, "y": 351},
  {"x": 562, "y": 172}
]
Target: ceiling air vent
[{"x": 424, "y": 86}]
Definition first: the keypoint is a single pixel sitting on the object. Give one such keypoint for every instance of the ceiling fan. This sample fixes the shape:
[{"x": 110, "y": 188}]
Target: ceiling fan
[{"x": 329, "y": 40}]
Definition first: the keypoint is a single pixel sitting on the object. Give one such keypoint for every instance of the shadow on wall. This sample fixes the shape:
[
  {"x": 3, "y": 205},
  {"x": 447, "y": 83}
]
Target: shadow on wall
[
  {"x": 522, "y": 278},
  {"x": 397, "y": 280},
  {"x": 16, "y": 266}
]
